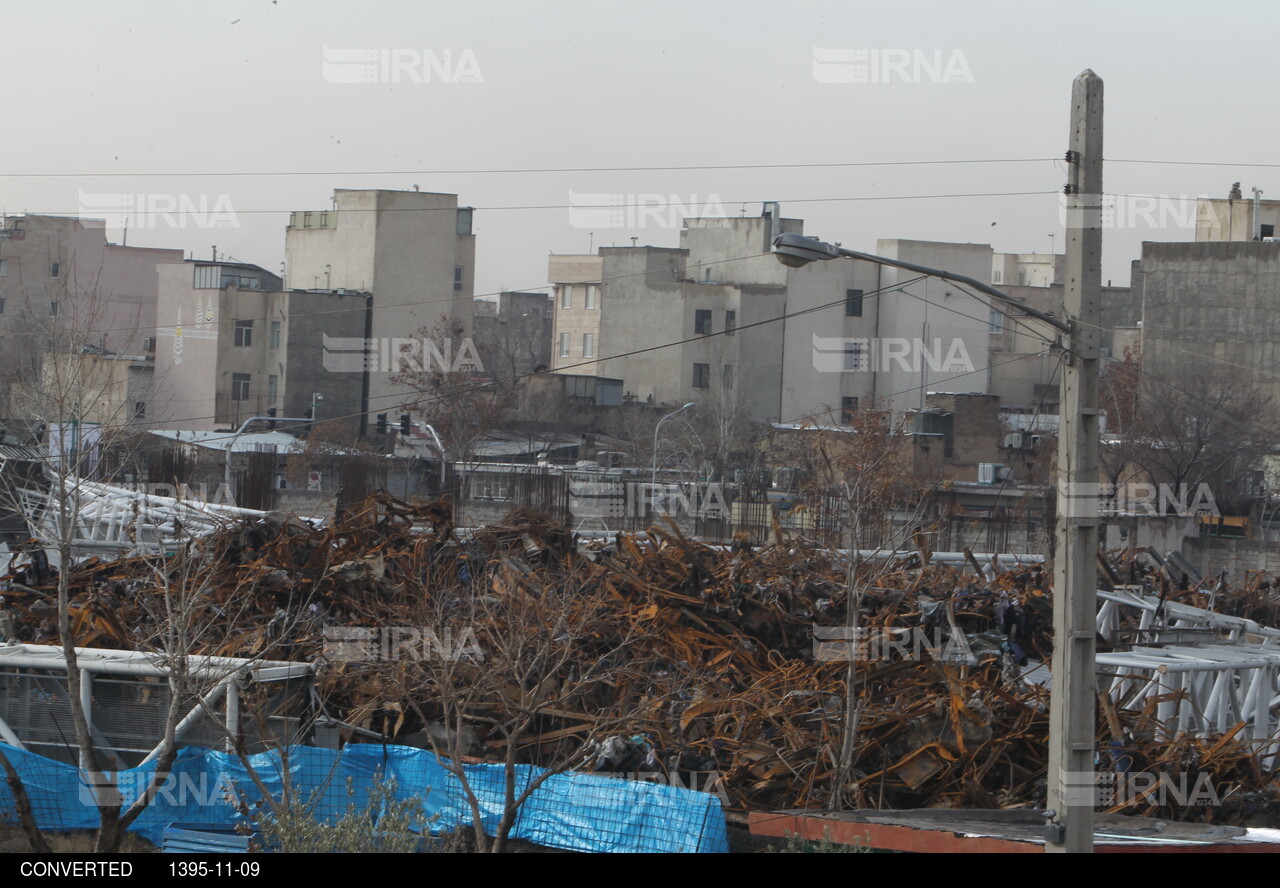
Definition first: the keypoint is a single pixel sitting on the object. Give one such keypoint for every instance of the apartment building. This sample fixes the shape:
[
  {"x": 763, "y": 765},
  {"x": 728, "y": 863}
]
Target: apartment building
[
  {"x": 232, "y": 343},
  {"x": 414, "y": 252}
]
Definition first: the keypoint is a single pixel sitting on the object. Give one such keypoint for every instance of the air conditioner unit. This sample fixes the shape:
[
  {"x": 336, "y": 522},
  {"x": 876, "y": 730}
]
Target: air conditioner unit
[
  {"x": 990, "y": 473},
  {"x": 1004, "y": 473}
]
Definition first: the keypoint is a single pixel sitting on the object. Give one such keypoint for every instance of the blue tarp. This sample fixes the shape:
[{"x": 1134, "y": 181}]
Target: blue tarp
[{"x": 574, "y": 811}]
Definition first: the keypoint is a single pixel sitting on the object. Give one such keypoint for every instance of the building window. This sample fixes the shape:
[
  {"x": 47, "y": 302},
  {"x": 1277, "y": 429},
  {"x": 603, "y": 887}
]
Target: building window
[
  {"x": 240, "y": 386},
  {"x": 490, "y": 486},
  {"x": 702, "y": 322},
  {"x": 853, "y": 357},
  {"x": 996, "y": 278},
  {"x": 591, "y": 296},
  {"x": 702, "y": 376},
  {"x": 726, "y": 376},
  {"x": 730, "y": 321},
  {"x": 244, "y": 334},
  {"x": 53, "y": 269},
  {"x": 1, "y": 306},
  {"x": 139, "y": 409},
  {"x": 207, "y": 277},
  {"x": 853, "y": 303},
  {"x": 566, "y": 296},
  {"x": 995, "y": 321},
  {"x": 4, "y": 268},
  {"x": 149, "y": 345},
  {"x": 457, "y": 278},
  {"x": 564, "y": 345},
  {"x": 1266, "y": 231},
  {"x": 588, "y": 345},
  {"x": 273, "y": 388},
  {"x": 275, "y": 334},
  {"x": 53, "y": 309},
  {"x": 1, "y": 343},
  {"x": 848, "y": 410}
]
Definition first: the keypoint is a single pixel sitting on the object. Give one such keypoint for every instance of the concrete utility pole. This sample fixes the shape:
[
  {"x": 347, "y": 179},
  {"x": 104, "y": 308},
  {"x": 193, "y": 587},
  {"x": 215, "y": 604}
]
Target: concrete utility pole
[{"x": 1069, "y": 809}]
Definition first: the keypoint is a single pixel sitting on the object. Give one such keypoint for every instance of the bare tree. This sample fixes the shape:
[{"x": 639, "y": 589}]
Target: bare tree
[
  {"x": 457, "y": 400},
  {"x": 1207, "y": 427},
  {"x": 867, "y": 468},
  {"x": 81, "y": 401},
  {"x": 511, "y": 669}
]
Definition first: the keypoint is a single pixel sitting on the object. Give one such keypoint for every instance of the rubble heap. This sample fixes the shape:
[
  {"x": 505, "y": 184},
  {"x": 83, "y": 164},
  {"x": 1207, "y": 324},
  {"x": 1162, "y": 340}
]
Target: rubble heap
[{"x": 740, "y": 654}]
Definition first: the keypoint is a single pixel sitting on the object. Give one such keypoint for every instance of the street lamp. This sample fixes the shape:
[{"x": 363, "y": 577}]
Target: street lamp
[
  {"x": 653, "y": 475},
  {"x": 1069, "y": 814},
  {"x": 315, "y": 396}
]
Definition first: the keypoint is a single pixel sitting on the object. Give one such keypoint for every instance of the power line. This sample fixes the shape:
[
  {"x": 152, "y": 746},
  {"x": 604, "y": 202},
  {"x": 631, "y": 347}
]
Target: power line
[
  {"x": 1188, "y": 163},
  {"x": 529, "y": 170},
  {"x": 643, "y": 205}
]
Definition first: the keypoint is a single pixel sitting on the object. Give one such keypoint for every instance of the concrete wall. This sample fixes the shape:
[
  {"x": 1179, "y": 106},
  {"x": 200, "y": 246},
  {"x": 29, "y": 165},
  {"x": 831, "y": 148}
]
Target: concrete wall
[
  {"x": 1213, "y": 304},
  {"x": 1211, "y": 554},
  {"x": 319, "y": 505},
  {"x": 939, "y": 313},
  {"x": 977, "y": 431},
  {"x": 309, "y": 317}
]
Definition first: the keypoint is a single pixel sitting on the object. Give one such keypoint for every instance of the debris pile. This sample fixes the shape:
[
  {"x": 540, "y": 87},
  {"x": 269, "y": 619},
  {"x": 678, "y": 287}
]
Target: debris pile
[{"x": 739, "y": 655}]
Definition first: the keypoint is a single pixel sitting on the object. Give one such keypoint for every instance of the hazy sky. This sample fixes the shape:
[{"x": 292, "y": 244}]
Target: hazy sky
[{"x": 153, "y": 92}]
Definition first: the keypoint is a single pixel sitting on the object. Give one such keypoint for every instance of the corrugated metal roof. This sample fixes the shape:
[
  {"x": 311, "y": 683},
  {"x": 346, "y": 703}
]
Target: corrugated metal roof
[{"x": 249, "y": 441}]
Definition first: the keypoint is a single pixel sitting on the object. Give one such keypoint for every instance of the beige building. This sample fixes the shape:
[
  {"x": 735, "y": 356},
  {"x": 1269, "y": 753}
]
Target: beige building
[
  {"x": 1237, "y": 218},
  {"x": 413, "y": 251},
  {"x": 576, "y": 289},
  {"x": 232, "y": 344},
  {"x": 1028, "y": 269},
  {"x": 63, "y": 286}
]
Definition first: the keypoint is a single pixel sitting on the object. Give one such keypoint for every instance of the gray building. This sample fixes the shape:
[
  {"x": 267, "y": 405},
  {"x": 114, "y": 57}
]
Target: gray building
[
  {"x": 1212, "y": 304},
  {"x": 513, "y": 333},
  {"x": 743, "y": 334},
  {"x": 413, "y": 251}
]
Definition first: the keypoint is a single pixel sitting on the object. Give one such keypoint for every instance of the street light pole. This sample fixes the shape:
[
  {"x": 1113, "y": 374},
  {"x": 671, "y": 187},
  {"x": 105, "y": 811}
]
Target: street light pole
[
  {"x": 653, "y": 474},
  {"x": 1071, "y": 781}
]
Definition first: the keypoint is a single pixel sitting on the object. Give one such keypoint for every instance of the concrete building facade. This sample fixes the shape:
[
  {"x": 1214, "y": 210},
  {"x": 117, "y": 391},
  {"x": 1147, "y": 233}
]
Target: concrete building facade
[
  {"x": 720, "y": 320},
  {"x": 413, "y": 251},
  {"x": 577, "y": 293},
  {"x": 231, "y": 343},
  {"x": 513, "y": 333},
  {"x": 63, "y": 286},
  {"x": 1239, "y": 217},
  {"x": 1212, "y": 303}
]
